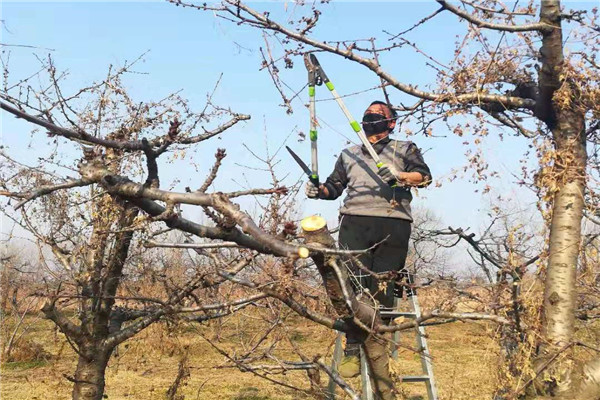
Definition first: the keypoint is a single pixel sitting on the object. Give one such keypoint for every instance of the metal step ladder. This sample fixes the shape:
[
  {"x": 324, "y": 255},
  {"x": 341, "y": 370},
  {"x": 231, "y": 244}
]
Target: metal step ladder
[{"x": 421, "y": 339}]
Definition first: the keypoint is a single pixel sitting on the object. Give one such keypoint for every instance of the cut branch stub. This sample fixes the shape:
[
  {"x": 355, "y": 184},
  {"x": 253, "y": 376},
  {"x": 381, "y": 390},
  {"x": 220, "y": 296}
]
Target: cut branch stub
[{"x": 316, "y": 232}]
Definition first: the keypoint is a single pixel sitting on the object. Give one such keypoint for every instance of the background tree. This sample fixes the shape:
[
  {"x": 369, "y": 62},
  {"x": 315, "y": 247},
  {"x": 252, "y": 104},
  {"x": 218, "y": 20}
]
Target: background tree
[{"x": 95, "y": 239}]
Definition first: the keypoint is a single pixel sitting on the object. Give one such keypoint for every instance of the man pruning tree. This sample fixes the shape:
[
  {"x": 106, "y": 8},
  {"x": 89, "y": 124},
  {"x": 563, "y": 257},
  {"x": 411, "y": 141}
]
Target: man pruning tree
[{"x": 375, "y": 214}]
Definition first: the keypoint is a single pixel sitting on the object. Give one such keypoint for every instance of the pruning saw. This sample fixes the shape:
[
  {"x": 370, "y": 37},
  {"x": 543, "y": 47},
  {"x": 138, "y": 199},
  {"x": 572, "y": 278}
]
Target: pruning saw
[{"x": 311, "y": 177}]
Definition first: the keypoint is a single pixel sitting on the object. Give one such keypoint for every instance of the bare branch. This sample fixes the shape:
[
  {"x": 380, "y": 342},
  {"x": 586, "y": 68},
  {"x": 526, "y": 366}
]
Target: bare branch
[
  {"x": 131, "y": 145},
  {"x": 511, "y": 123},
  {"x": 209, "y": 307},
  {"x": 214, "y": 245},
  {"x": 70, "y": 134},
  {"x": 279, "y": 190},
  {"x": 452, "y": 316},
  {"x": 220, "y": 129},
  {"x": 72, "y": 331},
  {"x": 44, "y": 190},
  {"x": 502, "y": 10},
  {"x": 338, "y": 380},
  {"x": 219, "y": 156},
  {"x": 420, "y": 22}
]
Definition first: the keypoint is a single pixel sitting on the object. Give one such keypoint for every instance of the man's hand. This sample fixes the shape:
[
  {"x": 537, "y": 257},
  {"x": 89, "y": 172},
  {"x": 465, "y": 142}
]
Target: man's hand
[
  {"x": 389, "y": 174},
  {"x": 312, "y": 192}
]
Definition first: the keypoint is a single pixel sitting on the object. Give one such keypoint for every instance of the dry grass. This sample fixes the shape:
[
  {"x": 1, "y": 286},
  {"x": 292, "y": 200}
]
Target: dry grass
[{"x": 464, "y": 357}]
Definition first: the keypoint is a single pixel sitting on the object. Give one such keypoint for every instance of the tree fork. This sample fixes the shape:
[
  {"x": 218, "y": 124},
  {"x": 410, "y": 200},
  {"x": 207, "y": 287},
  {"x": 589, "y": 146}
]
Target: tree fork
[{"x": 348, "y": 307}]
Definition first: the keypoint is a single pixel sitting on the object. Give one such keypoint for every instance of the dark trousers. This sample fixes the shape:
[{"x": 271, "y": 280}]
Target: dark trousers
[
  {"x": 359, "y": 232},
  {"x": 392, "y": 234}
]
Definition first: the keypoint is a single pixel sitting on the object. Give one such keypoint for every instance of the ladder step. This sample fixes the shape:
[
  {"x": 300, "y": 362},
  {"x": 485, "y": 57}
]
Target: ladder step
[
  {"x": 396, "y": 314},
  {"x": 415, "y": 378}
]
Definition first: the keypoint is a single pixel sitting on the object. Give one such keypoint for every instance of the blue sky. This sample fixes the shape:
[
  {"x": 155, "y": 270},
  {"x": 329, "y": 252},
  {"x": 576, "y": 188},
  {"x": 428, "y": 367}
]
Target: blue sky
[{"x": 189, "y": 49}]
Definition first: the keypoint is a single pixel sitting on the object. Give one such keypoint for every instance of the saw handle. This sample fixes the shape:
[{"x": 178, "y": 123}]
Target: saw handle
[{"x": 314, "y": 179}]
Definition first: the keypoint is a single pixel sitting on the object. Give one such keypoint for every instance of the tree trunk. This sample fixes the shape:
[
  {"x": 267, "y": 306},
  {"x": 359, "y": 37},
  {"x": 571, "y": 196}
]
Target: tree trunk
[
  {"x": 349, "y": 308},
  {"x": 558, "y": 107},
  {"x": 89, "y": 375},
  {"x": 565, "y": 237}
]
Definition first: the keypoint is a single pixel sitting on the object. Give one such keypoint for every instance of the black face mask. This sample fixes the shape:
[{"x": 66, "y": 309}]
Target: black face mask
[{"x": 374, "y": 123}]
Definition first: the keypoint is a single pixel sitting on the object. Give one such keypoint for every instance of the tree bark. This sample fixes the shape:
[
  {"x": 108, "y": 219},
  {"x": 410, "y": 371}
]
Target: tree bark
[{"x": 89, "y": 375}]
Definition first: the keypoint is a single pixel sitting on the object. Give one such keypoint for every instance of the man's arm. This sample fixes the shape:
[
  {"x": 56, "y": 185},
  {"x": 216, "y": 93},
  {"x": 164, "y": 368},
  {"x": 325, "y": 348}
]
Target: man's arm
[
  {"x": 411, "y": 178},
  {"x": 417, "y": 171}
]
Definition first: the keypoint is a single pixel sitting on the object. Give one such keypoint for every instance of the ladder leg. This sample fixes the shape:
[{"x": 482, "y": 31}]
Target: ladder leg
[
  {"x": 337, "y": 356},
  {"x": 396, "y": 334},
  {"x": 425, "y": 355},
  {"x": 367, "y": 390}
]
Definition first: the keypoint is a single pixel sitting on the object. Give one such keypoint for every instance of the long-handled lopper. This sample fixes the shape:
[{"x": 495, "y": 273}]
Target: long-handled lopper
[
  {"x": 313, "y": 79},
  {"x": 314, "y": 67}
]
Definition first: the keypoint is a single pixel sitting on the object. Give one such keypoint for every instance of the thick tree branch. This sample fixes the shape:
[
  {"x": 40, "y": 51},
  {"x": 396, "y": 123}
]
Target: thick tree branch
[
  {"x": 72, "y": 331},
  {"x": 552, "y": 60},
  {"x": 121, "y": 186},
  {"x": 120, "y": 336},
  {"x": 484, "y": 24},
  {"x": 210, "y": 232}
]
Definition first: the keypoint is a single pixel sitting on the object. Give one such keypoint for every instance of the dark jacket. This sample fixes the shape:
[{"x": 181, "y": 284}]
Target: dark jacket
[{"x": 367, "y": 193}]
